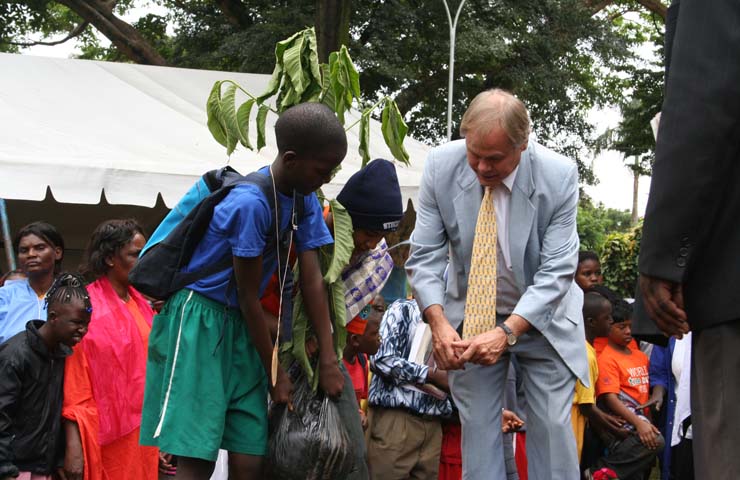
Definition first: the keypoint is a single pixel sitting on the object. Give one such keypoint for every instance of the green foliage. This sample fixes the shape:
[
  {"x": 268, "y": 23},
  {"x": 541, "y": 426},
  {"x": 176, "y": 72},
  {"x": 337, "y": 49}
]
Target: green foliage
[
  {"x": 641, "y": 101},
  {"x": 333, "y": 259},
  {"x": 619, "y": 261},
  {"x": 596, "y": 223},
  {"x": 296, "y": 78}
]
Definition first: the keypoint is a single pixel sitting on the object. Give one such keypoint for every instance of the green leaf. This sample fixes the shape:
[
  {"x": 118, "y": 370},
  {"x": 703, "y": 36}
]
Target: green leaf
[
  {"x": 365, "y": 138},
  {"x": 351, "y": 72},
  {"x": 394, "y": 131},
  {"x": 278, "y": 72},
  {"x": 300, "y": 329},
  {"x": 293, "y": 65},
  {"x": 313, "y": 54},
  {"x": 242, "y": 120},
  {"x": 327, "y": 95},
  {"x": 228, "y": 114},
  {"x": 213, "y": 110},
  {"x": 343, "y": 242},
  {"x": 261, "y": 119}
]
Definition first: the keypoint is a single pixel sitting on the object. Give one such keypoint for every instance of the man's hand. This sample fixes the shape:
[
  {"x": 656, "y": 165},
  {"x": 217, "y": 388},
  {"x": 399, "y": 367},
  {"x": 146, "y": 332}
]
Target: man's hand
[
  {"x": 664, "y": 303},
  {"x": 648, "y": 434},
  {"x": 510, "y": 422},
  {"x": 331, "y": 379},
  {"x": 483, "y": 349},
  {"x": 283, "y": 389},
  {"x": 443, "y": 336}
]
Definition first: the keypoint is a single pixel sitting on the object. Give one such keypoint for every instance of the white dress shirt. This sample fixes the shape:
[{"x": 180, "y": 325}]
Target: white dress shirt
[{"x": 507, "y": 291}]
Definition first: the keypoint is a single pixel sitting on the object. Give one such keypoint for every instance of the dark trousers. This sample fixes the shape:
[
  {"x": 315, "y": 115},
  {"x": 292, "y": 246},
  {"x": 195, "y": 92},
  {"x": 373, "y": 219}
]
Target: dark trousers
[
  {"x": 629, "y": 458},
  {"x": 682, "y": 461},
  {"x": 715, "y": 393},
  {"x": 349, "y": 412}
]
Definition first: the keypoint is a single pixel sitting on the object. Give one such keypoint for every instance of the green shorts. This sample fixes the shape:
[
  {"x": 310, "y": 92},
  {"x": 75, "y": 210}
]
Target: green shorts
[{"x": 205, "y": 385}]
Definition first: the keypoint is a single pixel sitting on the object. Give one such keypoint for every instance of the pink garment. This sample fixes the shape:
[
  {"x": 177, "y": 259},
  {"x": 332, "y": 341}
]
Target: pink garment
[
  {"x": 32, "y": 476},
  {"x": 113, "y": 343}
]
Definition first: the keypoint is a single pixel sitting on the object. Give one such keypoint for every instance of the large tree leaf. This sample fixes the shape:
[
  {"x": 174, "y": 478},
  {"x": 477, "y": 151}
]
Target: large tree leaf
[
  {"x": 261, "y": 119},
  {"x": 352, "y": 75},
  {"x": 394, "y": 131},
  {"x": 343, "y": 242},
  {"x": 365, "y": 138},
  {"x": 242, "y": 120},
  {"x": 213, "y": 109},
  {"x": 300, "y": 333},
  {"x": 292, "y": 62},
  {"x": 327, "y": 94},
  {"x": 228, "y": 114}
]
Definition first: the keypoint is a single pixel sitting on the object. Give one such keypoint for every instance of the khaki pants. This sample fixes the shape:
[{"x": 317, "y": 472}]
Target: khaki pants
[{"x": 402, "y": 445}]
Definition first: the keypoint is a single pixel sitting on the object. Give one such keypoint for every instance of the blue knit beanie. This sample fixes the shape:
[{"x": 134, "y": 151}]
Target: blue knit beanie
[{"x": 372, "y": 197}]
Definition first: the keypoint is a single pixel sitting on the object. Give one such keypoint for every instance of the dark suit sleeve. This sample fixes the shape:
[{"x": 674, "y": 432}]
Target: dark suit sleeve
[
  {"x": 698, "y": 135},
  {"x": 10, "y": 387}
]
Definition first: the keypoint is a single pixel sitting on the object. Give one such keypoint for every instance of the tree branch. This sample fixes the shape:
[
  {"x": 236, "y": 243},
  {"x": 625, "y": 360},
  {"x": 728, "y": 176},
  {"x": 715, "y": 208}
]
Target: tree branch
[
  {"x": 125, "y": 37},
  {"x": 235, "y": 11},
  {"x": 76, "y": 32},
  {"x": 655, "y": 6},
  {"x": 596, "y": 7}
]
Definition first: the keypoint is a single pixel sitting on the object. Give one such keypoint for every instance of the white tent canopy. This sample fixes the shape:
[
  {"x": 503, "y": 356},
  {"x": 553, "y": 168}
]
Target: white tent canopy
[{"x": 83, "y": 127}]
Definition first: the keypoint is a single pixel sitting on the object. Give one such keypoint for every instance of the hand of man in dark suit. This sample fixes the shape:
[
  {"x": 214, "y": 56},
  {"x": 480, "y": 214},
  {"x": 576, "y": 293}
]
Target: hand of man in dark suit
[{"x": 664, "y": 303}]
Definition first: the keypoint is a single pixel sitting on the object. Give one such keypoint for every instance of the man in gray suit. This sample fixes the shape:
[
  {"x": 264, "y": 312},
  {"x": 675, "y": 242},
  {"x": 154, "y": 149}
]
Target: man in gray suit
[
  {"x": 538, "y": 306},
  {"x": 690, "y": 252}
]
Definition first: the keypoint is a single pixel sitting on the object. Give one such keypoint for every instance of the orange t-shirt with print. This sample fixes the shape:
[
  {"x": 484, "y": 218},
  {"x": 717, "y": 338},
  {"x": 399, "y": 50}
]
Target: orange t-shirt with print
[{"x": 625, "y": 372}]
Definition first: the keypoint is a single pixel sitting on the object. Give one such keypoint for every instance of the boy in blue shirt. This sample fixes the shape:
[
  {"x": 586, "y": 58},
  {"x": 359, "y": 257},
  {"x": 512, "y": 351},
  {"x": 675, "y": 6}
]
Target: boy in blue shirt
[{"x": 210, "y": 351}]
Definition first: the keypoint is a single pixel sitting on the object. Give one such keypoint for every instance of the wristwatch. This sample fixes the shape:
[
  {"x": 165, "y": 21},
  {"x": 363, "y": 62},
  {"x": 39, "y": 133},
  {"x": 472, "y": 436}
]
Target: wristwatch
[{"x": 510, "y": 337}]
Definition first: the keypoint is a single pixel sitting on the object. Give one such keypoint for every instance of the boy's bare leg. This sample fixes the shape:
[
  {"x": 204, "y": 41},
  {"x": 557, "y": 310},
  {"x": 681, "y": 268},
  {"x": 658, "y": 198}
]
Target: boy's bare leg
[
  {"x": 189, "y": 468},
  {"x": 245, "y": 467}
]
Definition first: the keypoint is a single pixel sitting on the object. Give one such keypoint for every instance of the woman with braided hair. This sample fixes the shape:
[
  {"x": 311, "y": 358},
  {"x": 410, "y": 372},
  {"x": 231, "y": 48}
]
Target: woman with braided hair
[
  {"x": 31, "y": 373},
  {"x": 104, "y": 378}
]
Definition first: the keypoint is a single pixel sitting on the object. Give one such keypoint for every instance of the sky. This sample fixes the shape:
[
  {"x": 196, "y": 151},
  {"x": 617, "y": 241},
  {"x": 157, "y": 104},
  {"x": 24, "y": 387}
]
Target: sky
[{"x": 615, "y": 181}]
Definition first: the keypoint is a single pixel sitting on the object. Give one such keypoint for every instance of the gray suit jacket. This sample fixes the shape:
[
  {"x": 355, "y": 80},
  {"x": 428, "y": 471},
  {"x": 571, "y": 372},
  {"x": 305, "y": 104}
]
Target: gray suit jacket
[{"x": 542, "y": 237}]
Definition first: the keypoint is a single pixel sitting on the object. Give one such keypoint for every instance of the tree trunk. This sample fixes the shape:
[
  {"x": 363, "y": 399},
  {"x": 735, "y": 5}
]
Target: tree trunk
[
  {"x": 126, "y": 38},
  {"x": 635, "y": 187},
  {"x": 332, "y": 26}
]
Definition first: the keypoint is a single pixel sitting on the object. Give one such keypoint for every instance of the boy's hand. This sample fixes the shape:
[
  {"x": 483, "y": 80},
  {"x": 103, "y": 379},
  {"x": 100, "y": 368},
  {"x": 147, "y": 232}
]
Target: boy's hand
[
  {"x": 283, "y": 389},
  {"x": 331, "y": 379},
  {"x": 363, "y": 420},
  {"x": 648, "y": 434},
  {"x": 165, "y": 464},
  {"x": 510, "y": 422}
]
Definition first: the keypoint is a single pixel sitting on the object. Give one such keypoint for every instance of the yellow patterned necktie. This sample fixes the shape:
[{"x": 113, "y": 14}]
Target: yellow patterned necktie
[{"x": 480, "y": 305}]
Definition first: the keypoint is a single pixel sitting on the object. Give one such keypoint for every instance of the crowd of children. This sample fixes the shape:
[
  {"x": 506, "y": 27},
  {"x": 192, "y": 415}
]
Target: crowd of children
[{"x": 194, "y": 379}]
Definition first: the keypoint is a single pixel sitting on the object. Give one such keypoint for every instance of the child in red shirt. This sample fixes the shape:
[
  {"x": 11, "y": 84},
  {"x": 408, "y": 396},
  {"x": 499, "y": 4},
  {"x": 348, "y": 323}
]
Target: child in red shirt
[
  {"x": 623, "y": 389},
  {"x": 363, "y": 339}
]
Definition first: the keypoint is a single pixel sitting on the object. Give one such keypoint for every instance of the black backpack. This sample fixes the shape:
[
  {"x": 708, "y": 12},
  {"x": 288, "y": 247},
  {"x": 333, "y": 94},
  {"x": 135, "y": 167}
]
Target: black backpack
[{"x": 159, "y": 271}]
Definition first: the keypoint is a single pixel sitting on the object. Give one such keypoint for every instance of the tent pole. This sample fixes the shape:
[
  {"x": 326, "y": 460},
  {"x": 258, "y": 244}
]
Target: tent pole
[{"x": 6, "y": 236}]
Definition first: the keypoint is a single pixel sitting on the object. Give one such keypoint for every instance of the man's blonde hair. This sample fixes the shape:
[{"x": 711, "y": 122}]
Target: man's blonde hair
[{"x": 497, "y": 108}]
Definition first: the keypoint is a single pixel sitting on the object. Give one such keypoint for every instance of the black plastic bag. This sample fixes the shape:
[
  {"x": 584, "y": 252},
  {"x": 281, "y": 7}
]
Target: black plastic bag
[{"x": 308, "y": 442}]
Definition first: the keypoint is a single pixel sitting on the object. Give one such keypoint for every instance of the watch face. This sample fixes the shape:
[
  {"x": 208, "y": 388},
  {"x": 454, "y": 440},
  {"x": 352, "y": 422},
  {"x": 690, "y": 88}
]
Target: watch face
[{"x": 511, "y": 339}]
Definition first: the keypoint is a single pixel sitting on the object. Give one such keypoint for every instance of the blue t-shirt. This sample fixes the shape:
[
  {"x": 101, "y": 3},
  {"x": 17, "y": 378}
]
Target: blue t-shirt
[
  {"x": 240, "y": 227},
  {"x": 18, "y": 304}
]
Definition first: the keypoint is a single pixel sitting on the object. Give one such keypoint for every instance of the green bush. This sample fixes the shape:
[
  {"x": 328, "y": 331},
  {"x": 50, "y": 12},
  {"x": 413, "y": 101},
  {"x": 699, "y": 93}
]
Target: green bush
[{"x": 619, "y": 261}]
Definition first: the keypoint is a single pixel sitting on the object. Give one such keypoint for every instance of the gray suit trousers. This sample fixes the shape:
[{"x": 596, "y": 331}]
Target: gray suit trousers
[{"x": 548, "y": 386}]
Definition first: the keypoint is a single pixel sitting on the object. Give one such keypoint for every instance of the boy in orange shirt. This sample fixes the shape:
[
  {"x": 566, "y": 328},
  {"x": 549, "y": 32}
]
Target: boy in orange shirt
[{"x": 623, "y": 389}]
